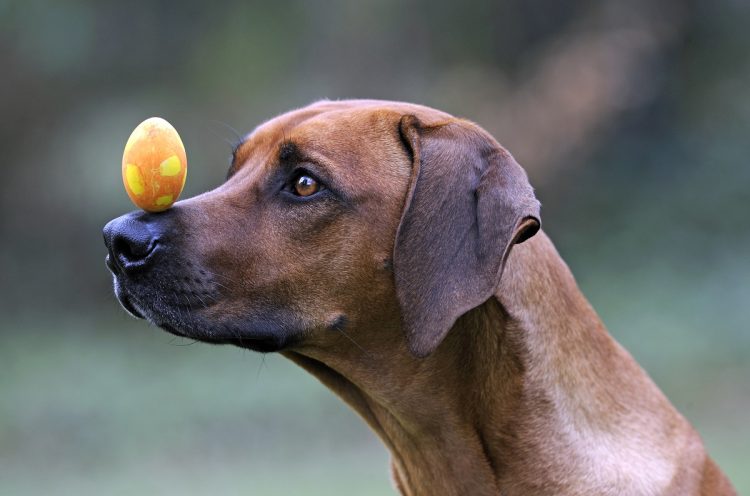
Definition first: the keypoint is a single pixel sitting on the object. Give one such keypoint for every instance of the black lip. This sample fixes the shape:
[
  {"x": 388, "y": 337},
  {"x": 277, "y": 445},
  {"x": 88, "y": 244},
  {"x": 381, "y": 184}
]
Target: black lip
[
  {"x": 125, "y": 302},
  {"x": 111, "y": 265},
  {"x": 128, "y": 306},
  {"x": 266, "y": 334}
]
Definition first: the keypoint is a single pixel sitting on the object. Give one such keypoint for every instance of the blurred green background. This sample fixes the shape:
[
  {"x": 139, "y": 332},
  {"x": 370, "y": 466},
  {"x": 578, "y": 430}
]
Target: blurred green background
[{"x": 632, "y": 119}]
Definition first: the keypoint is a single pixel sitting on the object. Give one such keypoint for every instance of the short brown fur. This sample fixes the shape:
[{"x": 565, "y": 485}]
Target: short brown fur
[{"x": 520, "y": 389}]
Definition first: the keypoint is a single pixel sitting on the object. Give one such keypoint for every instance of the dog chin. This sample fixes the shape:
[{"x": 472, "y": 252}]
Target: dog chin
[{"x": 217, "y": 334}]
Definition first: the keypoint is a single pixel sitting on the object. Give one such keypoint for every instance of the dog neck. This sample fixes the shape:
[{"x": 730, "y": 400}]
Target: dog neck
[{"x": 528, "y": 394}]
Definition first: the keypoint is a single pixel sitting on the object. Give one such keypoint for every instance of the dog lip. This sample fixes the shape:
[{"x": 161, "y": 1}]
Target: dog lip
[
  {"x": 111, "y": 265},
  {"x": 126, "y": 304},
  {"x": 131, "y": 309}
]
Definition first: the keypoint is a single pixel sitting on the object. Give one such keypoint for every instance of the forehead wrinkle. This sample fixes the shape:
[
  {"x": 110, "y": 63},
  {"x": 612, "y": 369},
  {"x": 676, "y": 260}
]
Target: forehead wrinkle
[
  {"x": 357, "y": 112},
  {"x": 333, "y": 133},
  {"x": 273, "y": 131},
  {"x": 348, "y": 136}
]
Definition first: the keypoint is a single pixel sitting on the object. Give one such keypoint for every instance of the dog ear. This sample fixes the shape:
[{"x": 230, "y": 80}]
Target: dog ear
[{"x": 468, "y": 202}]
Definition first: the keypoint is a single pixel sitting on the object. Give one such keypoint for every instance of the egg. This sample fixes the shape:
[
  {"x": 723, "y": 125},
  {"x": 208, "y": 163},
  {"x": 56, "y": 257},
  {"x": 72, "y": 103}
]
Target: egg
[{"x": 154, "y": 165}]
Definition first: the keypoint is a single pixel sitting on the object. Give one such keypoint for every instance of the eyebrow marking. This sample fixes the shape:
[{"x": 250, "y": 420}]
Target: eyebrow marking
[{"x": 289, "y": 152}]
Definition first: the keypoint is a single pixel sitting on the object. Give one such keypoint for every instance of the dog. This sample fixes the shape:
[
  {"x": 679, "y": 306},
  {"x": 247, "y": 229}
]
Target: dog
[{"x": 395, "y": 252}]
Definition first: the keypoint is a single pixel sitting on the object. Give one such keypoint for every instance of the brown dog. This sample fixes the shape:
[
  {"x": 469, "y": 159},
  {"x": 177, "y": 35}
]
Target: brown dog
[{"x": 370, "y": 242}]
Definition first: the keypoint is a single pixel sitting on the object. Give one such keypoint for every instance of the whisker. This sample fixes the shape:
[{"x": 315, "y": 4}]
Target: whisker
[
  {"x": 233, "y": 143},
  {"x": 353, "y": 341},
  {"x": 177, "y": 307},
  {"x": 188, "y": 307},
  {"x": 223, "y": 276},
  {"x": 261, "y": 365},
  {"x": 237, "y": 135},
  {"x": 221, "y": 285},
  {"x": 201, "y": 300},
  {"x": 239, "y": 336},
  {"x": 210, "y": 298}
]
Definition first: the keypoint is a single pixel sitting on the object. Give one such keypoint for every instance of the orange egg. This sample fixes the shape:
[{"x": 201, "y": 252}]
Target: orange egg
[{"x": 154, "y": 165}]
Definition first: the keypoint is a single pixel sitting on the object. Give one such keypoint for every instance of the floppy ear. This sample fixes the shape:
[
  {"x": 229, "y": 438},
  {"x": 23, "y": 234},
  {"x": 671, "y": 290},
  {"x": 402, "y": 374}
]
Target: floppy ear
[{"x": 468, "y": 202}]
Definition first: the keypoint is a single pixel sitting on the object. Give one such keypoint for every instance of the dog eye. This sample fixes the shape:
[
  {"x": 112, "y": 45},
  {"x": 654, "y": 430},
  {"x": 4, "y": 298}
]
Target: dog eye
[{"x": 305, "y": 185}]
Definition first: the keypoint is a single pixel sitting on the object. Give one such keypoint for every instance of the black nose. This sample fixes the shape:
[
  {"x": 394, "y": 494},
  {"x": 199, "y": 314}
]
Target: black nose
[{"x": 130, "y": 241}]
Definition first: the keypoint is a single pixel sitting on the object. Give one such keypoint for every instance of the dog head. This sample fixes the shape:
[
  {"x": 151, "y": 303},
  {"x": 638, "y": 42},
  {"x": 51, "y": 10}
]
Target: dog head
[{"x": 332, "y": 216}]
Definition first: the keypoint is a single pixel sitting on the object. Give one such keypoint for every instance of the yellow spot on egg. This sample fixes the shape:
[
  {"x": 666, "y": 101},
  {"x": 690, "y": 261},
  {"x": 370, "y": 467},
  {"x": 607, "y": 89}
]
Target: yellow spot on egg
[
  {"x": 164, "y": 200},
  {"x": 170, "y": 166},
  {"x": 135, "y": 179}
]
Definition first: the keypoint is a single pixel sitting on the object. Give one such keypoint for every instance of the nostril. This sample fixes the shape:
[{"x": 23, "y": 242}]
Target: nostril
[{"x": 130, "y": 249}]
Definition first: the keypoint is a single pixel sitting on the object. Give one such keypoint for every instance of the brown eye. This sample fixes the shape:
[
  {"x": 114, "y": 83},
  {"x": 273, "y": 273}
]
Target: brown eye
[{"x": 305, "y": 185}]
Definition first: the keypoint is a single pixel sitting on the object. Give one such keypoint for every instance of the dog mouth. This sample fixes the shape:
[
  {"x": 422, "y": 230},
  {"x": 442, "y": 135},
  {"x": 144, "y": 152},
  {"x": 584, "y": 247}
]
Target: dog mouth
[
  {"x": 125, "y": 300},
  {"x": 166, "y": 296},
  {"x": 128, "y": 306},
  {"x": 173, "y": 303}
]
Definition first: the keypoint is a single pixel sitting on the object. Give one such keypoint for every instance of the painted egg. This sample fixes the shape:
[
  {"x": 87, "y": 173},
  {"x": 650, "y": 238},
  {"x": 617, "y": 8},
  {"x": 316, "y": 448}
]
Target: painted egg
[{"x": 154, "y": 165}]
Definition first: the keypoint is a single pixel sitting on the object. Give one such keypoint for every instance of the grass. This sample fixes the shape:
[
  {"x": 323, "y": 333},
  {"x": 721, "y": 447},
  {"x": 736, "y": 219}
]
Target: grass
[
  {"x": 114, "y": 407},
  {"x": 122, "y": 409}
]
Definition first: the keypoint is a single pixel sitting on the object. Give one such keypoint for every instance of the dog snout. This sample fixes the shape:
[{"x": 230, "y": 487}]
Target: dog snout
[{"x": 131, "y": 241}]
